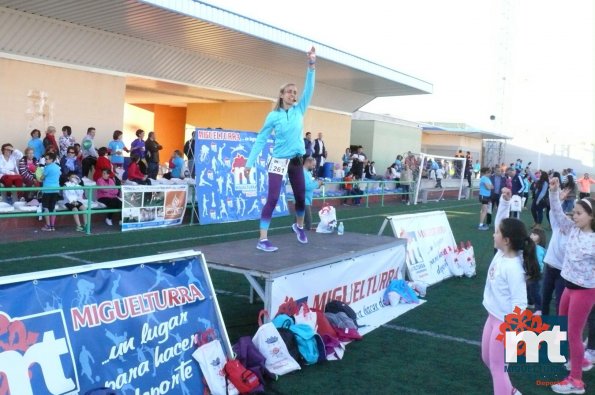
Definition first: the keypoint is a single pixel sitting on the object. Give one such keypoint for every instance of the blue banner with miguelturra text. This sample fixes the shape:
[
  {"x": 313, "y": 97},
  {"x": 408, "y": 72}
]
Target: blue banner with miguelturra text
[
  {"x": 128, "y": 328},
  {"x": 223, "y": 194}
]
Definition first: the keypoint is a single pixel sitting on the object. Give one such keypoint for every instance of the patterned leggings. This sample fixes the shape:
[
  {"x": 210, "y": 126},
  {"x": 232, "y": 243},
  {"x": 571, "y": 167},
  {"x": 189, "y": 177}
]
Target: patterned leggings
[{"x": 295, "y": 172}]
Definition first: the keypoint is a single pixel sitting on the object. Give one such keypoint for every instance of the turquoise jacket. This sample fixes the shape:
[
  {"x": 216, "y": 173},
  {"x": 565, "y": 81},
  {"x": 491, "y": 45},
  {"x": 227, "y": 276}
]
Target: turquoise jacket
[
  {"x": 311, "y": 184},
  {"x": 288, "y": 126},
  {"x": 540, "y": 252}
]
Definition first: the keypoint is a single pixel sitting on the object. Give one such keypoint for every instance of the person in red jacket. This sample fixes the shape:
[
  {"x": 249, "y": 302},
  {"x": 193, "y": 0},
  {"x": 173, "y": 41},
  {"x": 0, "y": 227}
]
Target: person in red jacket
[
  {"x": 134, "y": 173},
  {"x": 103, "y": 163}
]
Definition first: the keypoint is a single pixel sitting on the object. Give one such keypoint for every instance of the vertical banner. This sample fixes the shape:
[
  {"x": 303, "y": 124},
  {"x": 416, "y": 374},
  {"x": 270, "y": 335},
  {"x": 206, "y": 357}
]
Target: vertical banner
[
  {"x": 427, "y": 235},
  {"x": 359, "y": 282},
  {"x": 129, "y": 328},
  {"x": 223, "y": 194},
  {"x": 153, "y": 206}
]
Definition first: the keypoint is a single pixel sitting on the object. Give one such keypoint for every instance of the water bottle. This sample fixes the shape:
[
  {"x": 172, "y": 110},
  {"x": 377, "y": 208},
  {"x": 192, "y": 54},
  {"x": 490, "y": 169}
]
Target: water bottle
[{"x": 340, "y": 229}]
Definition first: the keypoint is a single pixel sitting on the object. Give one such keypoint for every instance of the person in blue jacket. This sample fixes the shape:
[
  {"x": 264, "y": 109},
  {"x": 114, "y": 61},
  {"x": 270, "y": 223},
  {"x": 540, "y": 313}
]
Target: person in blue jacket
[{"x": 287, "y": 120}]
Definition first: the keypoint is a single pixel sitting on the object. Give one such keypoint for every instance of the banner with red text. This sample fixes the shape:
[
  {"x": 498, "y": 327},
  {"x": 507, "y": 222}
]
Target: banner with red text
[
  {"x": 126, "y": 325},
  {"x": 428, "y": 235},
  {"x": 359, "y": 282}
]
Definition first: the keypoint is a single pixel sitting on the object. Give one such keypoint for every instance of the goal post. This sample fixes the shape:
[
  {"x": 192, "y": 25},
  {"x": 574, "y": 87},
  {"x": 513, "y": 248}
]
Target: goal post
[{"x": 428, "y": 188}]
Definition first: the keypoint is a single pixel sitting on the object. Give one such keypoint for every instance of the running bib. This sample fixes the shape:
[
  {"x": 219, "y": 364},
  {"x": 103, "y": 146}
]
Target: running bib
[{"x": 278, "y": 166}]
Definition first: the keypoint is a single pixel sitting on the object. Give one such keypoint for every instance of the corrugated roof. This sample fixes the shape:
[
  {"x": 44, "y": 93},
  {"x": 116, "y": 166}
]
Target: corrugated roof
[
  {"x": 461, "y": 129},
  {"x": 194, "y": 43}
]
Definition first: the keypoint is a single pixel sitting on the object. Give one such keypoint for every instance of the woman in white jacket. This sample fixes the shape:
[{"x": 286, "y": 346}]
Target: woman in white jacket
[{"x": 74, "y": 200}]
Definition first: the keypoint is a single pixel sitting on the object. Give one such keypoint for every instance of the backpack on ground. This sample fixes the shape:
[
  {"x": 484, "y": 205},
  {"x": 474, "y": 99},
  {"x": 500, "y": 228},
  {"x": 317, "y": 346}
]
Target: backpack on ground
[
  {"x": 336, "y": 306},
  {"x": 307, "y": 343},
  {"x": 247, "y": 353}
]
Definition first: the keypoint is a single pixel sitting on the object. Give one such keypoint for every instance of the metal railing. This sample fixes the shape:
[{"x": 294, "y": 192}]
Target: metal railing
[
  {"x": 367, "y": 190},
  {"x": 88, "y": 212}
]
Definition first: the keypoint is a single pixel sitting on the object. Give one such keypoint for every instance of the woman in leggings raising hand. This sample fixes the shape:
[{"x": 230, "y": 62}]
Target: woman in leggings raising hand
[{"x": 287, "y": 120}]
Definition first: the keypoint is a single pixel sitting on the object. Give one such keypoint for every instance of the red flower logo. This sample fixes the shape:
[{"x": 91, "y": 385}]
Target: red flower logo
[{"x": 520, "y": 322}]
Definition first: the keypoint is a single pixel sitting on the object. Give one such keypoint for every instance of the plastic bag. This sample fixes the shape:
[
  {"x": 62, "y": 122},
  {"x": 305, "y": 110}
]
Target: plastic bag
[
  {"x": 306, "y": 316},
  {"x": 328, "y": 220},
  {"x": 212, "y": 360},
  {"x": 270, "y": 344}
]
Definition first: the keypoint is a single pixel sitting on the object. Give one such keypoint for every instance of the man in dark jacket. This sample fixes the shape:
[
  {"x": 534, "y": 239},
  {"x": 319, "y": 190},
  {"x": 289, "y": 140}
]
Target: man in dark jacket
[
  {"x": 189, "y": 152},
  {"x": 318, "y": 153}
]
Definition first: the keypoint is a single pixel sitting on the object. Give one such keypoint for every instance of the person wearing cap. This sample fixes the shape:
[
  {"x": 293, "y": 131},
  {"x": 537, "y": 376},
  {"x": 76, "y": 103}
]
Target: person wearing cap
[
  {"x": 287, "y": 122},
  {"x": 9, "y": 171}
]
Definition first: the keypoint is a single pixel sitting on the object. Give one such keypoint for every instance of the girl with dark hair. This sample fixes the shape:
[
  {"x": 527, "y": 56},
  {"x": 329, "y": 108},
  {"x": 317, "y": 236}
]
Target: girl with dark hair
[
  {"x": 287, "y": 121},
  {"x": 572, "y": 190},
  {"x": 50, "y": 180},
  {"x": 505, "y": 288},
  {"x": 578, "y": 271},
  {"x": 534, "y": 286},
  {"x": 540, "y": 198}
]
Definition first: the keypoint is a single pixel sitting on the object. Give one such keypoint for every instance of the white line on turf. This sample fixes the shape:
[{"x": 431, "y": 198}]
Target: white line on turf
[
  {"x": 72, "y": 258},
  {"x": 169, "y": 241},
  {"x": 432, "y": 334}
]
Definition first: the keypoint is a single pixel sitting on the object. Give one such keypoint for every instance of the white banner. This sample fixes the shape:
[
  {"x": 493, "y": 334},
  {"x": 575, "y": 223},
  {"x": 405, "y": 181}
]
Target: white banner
[
  {"x": 359, "y": 282},
  {"x": 153, "y": 206},
  {"x": 427, "y": 235}
]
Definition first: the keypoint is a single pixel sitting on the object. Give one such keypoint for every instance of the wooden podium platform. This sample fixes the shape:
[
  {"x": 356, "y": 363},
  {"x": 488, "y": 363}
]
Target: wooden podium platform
[{"x": 241, "y": 256}]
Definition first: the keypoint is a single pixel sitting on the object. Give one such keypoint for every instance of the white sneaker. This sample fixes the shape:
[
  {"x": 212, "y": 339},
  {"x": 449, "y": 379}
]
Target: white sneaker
[
  {"x": 569, "y": 386},
  {"x": 516, "y": 392},
  {"x": 590, "y": 355},
  {"x": 108, "y": 221}
]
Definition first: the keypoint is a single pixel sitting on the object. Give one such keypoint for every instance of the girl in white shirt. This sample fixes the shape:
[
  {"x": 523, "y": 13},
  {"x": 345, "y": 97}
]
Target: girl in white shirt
[
  {"x": 505, "y": 288},
  {"x": 578, "y": 272}
]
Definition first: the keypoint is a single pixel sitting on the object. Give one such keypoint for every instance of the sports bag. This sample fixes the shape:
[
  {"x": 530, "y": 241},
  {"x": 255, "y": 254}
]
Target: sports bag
[
  {"x": 212, "y": 360},
  {"x": 243, "y": 379},
  {"x": 402, "y": 288},
  {"x": 336, "y": 306},
  {"x": 306, "y": 342},
  {"x": 270, "y": 344},
  {"x": 252, "y": 359}
]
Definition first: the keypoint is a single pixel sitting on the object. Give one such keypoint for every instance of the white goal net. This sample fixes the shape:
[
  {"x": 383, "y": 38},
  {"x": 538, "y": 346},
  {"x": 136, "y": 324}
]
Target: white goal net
[{"x": 440, "y": 178}]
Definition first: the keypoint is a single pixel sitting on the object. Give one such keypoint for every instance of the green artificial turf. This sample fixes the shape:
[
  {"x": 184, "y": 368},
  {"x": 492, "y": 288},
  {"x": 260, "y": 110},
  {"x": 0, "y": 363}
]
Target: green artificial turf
[{"x": 409, "y": 355}]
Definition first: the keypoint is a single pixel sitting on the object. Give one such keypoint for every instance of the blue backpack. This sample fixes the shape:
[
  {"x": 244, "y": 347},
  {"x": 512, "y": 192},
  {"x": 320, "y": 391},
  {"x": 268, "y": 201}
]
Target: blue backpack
[{"x": 307, "y": 343}]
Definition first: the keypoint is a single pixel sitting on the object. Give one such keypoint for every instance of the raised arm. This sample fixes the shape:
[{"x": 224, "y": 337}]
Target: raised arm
[
  {"x": 565, "y": 223},
  {"x": 503, "y": 206},
  {"x": 309, "y": 84}
]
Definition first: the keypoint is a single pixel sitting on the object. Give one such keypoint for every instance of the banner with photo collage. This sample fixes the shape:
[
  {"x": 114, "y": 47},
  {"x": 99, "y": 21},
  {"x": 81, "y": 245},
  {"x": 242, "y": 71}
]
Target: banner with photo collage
[
  {"x": 153, "y": 206},
  {"x": 223, "y": 194}
]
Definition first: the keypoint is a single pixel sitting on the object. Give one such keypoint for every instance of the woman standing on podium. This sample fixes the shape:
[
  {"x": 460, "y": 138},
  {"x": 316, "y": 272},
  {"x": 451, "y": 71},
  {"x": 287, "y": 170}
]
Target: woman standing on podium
[{"x": 287, "y": 120}]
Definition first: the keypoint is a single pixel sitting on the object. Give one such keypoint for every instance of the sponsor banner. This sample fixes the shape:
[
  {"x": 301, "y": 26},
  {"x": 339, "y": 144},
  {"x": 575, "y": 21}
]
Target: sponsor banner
[
  {"x": 223, "y": 193},
  {"x": 153, "y": 206},
  {"x": 427, "y": 235},
  {"x": 359, "y": 282},
  {"x": 129, "y": 328}
]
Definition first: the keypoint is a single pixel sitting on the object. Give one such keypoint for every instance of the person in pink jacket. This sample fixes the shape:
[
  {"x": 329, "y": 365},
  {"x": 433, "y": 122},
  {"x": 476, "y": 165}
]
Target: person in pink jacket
[{"x": 108, "y": 196}]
